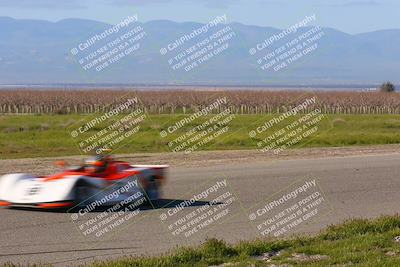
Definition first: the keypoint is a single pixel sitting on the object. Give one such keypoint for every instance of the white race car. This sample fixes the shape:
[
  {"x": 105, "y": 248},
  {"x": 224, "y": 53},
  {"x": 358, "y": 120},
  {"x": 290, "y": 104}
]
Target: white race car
[{"x": 101, "y": 180}]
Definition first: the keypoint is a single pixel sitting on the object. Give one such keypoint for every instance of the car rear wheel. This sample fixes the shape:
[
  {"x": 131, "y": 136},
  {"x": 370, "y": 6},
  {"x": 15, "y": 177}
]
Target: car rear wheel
[
  {"x": 82, "y": 195},
  {"x": 152, "y": 190}
]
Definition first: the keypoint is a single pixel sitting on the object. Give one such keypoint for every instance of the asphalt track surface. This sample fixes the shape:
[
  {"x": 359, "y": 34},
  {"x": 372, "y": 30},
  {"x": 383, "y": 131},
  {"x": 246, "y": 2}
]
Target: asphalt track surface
[{"x": 354, "y": 186}]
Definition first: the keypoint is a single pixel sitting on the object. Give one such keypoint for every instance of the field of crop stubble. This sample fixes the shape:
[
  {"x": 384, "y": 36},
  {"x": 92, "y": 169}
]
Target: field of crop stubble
[{"x": 36, "y": 123}]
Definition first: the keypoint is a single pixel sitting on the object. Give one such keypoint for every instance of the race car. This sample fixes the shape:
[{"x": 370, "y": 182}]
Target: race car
[{"x": 101, "y": 180}]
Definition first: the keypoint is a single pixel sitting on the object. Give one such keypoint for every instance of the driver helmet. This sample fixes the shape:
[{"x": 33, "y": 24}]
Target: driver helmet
[{"x": 96, "y": 163}]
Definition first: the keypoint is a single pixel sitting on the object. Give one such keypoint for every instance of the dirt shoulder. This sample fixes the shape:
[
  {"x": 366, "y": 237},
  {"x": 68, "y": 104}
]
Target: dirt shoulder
[{"x": 42, "y": 166}]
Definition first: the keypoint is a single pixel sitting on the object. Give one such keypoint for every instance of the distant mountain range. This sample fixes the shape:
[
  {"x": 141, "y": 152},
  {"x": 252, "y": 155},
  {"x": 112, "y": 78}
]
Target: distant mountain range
[{"x": 34, "y": 51}]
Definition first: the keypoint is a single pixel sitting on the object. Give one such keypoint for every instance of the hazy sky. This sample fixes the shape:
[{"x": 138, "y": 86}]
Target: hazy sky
[{"x": 352, "y": 16}]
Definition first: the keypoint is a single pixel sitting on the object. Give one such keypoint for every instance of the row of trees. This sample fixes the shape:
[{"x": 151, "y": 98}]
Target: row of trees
[{"x": 180, "y": 101}]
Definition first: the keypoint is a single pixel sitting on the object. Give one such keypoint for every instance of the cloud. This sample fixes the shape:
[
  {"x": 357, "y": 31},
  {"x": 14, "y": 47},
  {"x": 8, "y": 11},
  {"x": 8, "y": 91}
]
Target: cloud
[
  {"x": 362, "y": 3},
  {"x": 220, "y": 4},
  {"x": 215, "y": 4},
  {"x": 137, "y": 2},
  {"x": 358, "y": 3},
  {"x": 207, "y": 3},
  {"x": 48, "y": 4}
]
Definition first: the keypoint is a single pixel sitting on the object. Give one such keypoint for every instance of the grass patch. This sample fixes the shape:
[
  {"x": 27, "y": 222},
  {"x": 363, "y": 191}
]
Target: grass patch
[
  {"x": 356, "y": 243},
  {"x": 24, "y": 136},
  {"x": 353, "y": 243}
]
